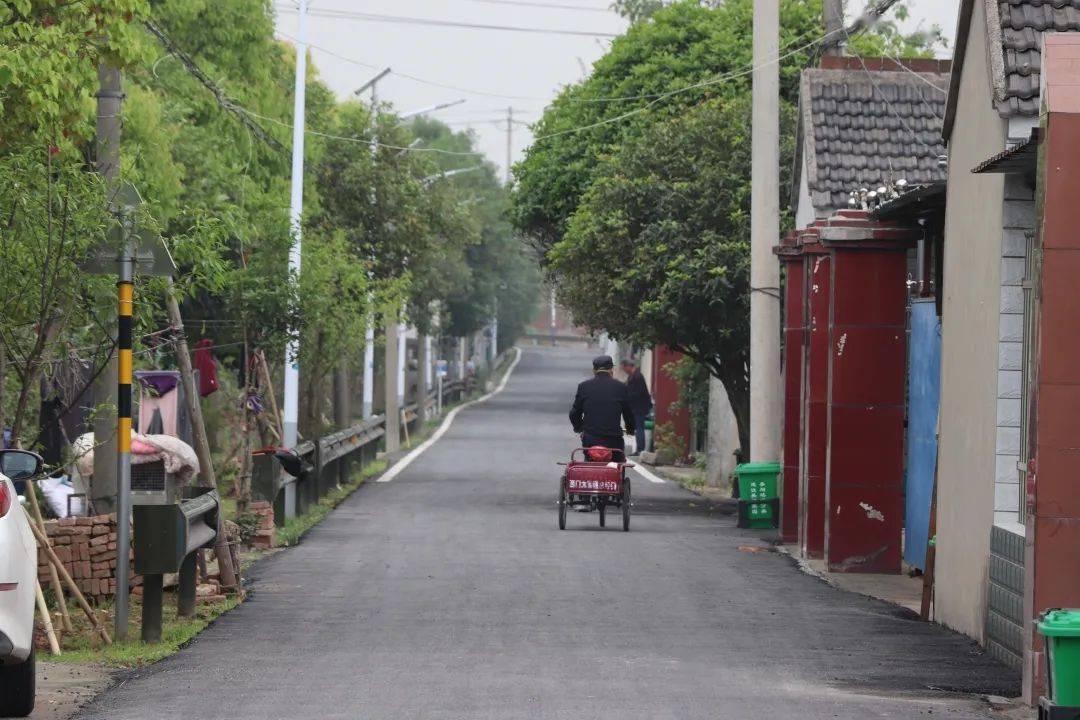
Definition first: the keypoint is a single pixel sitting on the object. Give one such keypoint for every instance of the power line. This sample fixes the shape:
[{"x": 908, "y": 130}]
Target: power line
[
  {"x": 414, "y": 78},
  {"x": 222, "y": 99},
  {"x": 556, "y": 6},
  {"x": 433, "y": 22},
  {"x": 362, "y": 141},
  {"x": 869, "y": 16}
]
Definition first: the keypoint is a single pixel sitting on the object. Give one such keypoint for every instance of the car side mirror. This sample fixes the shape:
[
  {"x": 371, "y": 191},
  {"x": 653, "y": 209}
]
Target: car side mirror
[{"x": 20, "y": 464}]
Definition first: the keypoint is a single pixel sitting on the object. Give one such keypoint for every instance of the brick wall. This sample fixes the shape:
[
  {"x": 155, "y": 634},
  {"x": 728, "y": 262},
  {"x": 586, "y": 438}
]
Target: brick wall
[{"x": 87, "y": 547}]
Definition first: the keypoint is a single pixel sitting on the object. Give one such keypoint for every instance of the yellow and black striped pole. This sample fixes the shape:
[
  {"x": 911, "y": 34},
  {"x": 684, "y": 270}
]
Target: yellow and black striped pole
[{"x": 124, "y": 338}]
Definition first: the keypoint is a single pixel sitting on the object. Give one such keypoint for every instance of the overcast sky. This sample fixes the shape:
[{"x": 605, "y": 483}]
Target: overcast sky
[{"x": 493, "y": 69}]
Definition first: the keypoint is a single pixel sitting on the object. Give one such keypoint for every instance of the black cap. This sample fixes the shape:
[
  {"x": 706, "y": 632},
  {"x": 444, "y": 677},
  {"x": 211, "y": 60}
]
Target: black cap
[{"x": 603, "y": 362}]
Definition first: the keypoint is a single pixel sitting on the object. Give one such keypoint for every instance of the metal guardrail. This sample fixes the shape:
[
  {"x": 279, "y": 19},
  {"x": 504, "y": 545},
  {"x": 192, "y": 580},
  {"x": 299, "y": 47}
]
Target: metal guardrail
[{"x": 329, "y": 461}]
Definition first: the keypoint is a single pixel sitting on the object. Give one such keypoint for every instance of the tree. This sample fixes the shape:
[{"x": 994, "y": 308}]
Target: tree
[
  {"x": 637, "y": 10},
  {"x": 686, "y": 53},
  {"x": 501, "y": 274},
  {"x": 658, "y": 250},
  {"x": 886, "y": 39}
]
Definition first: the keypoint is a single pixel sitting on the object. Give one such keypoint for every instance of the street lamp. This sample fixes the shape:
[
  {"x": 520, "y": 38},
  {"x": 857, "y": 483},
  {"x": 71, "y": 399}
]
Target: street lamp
[{"x": 431, "y": 108}]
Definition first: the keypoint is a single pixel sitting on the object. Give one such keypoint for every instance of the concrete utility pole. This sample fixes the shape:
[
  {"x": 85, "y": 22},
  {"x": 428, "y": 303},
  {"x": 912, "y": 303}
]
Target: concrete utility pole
[
  {"x": 390, "y": 384},
  {"x": 369, "y": 331},
  {"x": 423, "y": 377},
  {"x": 765, "y": 407},
  {"x": 112, "y": 426},
  {"x": 834, "y": 22},
  {"x": 110, "y": 100},
  {"x": 296, "y": 213}
]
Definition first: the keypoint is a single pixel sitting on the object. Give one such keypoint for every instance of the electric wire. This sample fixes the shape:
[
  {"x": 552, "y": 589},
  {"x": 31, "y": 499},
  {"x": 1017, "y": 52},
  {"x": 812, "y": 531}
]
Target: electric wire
[
  {"x": 363, "y": 141},
  {"x": 435, "y": 22},
  {"x": 554, "y": 6}
]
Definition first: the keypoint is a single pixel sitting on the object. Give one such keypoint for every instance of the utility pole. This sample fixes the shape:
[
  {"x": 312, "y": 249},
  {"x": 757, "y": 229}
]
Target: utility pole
[
  {"x": 390, "y": 384},
  {"x": 509, "y": 142},
  {"x": 834, "y": 23},
  {"x": 112, "y": 429},
  {"x": 765, "y": 410},
  {"x": 110, "y": 100},
  {"x": 369, "y": 331},
  {"x": 296, "y": 213}
]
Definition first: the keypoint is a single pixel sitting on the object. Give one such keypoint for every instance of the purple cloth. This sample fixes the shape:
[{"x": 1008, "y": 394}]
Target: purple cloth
[{"x": 158, "y": 382}]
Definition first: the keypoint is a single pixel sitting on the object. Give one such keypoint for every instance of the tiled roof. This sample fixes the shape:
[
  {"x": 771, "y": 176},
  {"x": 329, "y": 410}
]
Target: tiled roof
[
  {"x": 1023, "y": 23},
  {"x": 864, "y": 128}
]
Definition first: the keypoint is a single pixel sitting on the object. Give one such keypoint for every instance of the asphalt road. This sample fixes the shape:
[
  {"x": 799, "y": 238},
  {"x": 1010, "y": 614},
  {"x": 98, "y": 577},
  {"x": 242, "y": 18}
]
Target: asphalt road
[{"x": 450, "y": 593}]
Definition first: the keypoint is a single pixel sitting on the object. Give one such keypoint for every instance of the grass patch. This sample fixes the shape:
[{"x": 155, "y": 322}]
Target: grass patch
[
  {"x": 84, "y": 646},
  {"x": 694, "y": 483}
]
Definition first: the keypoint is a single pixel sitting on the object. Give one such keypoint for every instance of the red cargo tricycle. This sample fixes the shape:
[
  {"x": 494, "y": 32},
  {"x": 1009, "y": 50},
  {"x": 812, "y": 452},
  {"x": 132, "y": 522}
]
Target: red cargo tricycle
[{"x": 595, "y": 479}]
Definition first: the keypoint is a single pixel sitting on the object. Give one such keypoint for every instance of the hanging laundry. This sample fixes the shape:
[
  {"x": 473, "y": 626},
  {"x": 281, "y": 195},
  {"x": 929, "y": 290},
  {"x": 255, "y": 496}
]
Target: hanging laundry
[
  {"x": 207, "y": 367},
  {"x": 159, "y": 401}
]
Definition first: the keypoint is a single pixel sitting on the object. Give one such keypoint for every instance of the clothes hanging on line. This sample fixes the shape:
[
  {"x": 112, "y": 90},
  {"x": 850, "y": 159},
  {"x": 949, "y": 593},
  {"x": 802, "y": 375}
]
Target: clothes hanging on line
[
  {"x": 207, "y": 367},
  {"x": 159, "y": 401}
]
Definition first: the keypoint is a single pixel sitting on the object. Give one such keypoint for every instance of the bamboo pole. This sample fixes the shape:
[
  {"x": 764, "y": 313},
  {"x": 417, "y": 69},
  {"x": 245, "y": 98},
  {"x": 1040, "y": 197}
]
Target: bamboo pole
[
  {"x": 46, "y": 619},
  {"x": 271, "y": 396},
  {"x": 54, "y": 578},
  {"x": 43, "y": 542}
]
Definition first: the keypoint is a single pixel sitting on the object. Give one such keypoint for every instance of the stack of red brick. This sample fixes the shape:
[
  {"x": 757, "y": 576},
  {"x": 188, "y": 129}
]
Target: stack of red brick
[
  {"x": 265, "y": 536},
  {"x": 87, "y": 547}
]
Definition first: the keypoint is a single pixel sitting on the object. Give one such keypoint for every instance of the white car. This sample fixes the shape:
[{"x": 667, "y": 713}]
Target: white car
[{"x": 18, "y": 575}]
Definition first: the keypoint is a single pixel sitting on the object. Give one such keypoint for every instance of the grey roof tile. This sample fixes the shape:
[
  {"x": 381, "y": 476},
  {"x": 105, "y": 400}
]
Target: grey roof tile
[
  {"x": 864, "y": 129},
  {"x": 1023, "y": 23}
]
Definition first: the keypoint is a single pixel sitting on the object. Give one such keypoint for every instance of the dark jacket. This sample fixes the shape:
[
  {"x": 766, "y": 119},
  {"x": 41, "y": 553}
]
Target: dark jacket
[
  {"x": 640, "y": 400},
  {"x": 599, "y": 405}
]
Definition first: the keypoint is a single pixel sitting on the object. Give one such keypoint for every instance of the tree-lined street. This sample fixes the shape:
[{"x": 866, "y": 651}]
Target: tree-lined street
[{"x": 449, "y": 593}]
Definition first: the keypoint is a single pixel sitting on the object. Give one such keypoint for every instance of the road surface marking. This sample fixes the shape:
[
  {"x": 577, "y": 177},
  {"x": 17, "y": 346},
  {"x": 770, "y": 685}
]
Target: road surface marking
[
  {"x": 416, "y": 452},
  {"x": 648, "y": 475}
]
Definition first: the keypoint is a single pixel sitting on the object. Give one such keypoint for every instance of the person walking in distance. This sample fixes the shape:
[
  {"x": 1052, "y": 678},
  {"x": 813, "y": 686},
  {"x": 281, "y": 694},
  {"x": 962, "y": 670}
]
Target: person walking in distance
[
  {"x": 640, "y": 401},
  {"x": 602, "y": 408}
]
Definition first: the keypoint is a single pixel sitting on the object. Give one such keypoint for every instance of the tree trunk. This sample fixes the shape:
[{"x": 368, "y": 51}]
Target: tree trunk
[
  {"x": 738, "y": 390},
  {"x": 207, "y": 476}
]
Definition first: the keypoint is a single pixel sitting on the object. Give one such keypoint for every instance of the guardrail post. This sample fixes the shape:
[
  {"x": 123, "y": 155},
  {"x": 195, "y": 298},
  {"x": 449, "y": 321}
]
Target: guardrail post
[
  {"x": 185, "y": 596},
  {"x": 151, "y": 608}
]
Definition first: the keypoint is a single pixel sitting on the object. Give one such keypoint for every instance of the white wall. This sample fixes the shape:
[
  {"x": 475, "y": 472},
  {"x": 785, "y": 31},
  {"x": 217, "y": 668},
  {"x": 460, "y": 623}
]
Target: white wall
[
  {"x": 971, "y": 300},
  {"x": 804, "y": 211}
]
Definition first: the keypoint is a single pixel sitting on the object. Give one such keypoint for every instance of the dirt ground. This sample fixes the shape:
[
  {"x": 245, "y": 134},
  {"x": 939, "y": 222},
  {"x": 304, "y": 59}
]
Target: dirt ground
[{"x": 64, "y": 688}]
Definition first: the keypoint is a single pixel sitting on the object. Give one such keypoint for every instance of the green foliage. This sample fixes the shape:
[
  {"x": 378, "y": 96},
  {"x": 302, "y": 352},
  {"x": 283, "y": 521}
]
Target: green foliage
[
  {"x": 670, "y": 444},
  {"x": 693, "y": 380},
  {"x": 886, "y": 39},
  {"x": 499, "y": 273},
  {"x": 49, "y": 64},
  {"x": 685, "y": 54},
  {"x": 637, "y": 10},
  {"x": 378, "y": 230}
]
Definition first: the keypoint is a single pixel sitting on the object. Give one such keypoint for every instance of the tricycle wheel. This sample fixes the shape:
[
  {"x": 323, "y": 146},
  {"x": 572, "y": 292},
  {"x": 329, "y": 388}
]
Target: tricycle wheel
[
  {"x": 626, "y": 505},
  {"x": 563, "y": 502},
  {"x": 603, "y": 513}
]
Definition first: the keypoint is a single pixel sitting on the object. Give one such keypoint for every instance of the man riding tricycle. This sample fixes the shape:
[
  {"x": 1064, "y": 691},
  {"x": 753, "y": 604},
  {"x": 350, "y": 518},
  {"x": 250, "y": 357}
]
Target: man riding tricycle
[{"x": 595, "y": 476}]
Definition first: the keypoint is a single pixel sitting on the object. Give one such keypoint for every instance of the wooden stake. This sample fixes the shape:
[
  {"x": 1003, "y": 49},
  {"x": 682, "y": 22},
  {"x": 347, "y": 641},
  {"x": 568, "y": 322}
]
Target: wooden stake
[
  {"x": 43, "y": 542},
  {"x": 931, "y": 536},
  {"x": 271, "y": 396},
  {"x": 931, "y": 556},
  {"x": 54, "y": 578},
  {"x": 405, "y": 426},
  {"x": 46, "y": 619}
]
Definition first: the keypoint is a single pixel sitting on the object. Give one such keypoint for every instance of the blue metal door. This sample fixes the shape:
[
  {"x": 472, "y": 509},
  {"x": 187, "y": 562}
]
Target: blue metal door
[{"x": 924, "y": 390}]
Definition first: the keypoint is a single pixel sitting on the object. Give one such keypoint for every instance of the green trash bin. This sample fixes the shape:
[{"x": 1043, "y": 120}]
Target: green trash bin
[
  {"x": 1061, "y": 629},
  {"x": 757, "y": 481}
]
